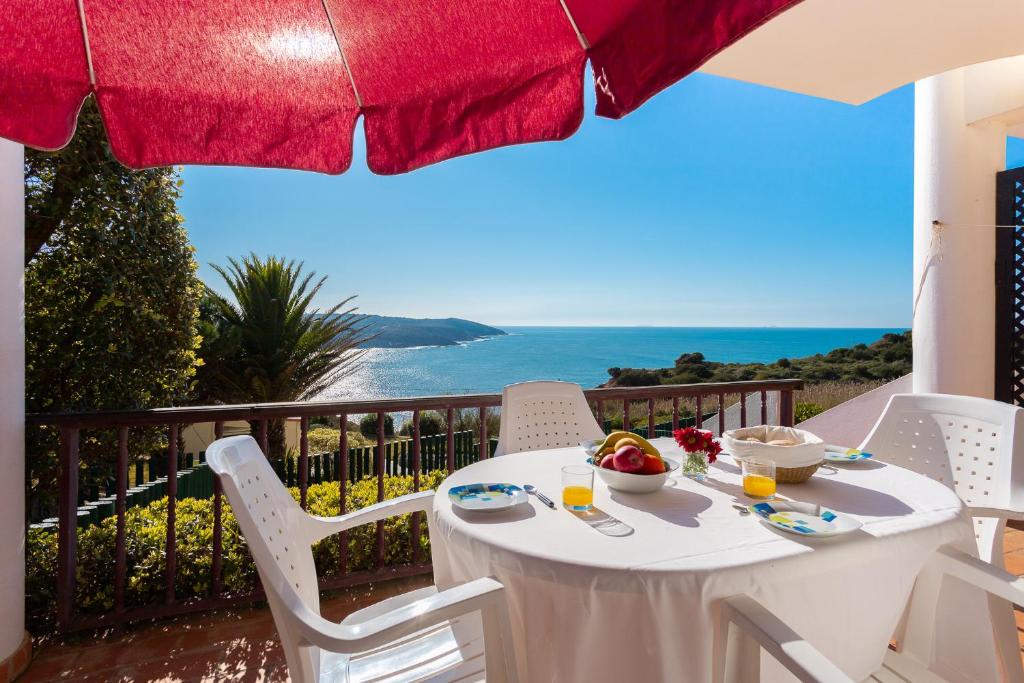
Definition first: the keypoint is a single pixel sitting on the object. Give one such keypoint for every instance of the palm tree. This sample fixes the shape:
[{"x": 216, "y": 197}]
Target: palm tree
[{"x": 269, "y": 345}]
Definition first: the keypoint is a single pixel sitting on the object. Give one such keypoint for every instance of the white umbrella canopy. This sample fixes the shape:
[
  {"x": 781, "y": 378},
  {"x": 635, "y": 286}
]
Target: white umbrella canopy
[{"x": 855, "y": 50}]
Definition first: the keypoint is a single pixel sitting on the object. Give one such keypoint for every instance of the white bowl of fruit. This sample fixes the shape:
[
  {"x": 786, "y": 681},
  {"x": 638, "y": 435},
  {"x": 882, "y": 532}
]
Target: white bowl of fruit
[{"x": 628, "y": 462}]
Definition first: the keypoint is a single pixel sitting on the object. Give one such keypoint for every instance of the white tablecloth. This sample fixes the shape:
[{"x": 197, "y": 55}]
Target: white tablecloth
[{"x": 590, "y": 607}]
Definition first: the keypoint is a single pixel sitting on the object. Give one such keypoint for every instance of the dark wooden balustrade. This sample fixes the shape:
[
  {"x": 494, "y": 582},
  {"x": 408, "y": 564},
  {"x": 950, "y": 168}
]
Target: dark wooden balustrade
[{"x": 71, "y": 425}]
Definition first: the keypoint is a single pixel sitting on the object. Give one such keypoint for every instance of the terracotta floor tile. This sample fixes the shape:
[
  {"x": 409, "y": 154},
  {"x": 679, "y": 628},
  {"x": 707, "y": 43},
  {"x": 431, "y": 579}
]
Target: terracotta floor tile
[
  {"x": 1013, "y": 540},
  {"x": 1015, "y": 562}
]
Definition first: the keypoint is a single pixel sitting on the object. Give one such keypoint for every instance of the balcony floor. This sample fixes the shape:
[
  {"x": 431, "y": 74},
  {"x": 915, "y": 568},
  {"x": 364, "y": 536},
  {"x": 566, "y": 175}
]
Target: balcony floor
[{"x": 241, "y": 645}]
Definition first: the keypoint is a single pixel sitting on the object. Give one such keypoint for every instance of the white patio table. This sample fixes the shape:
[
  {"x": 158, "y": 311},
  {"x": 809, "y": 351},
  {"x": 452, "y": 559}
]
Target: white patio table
[{"x": 592, "y": 608}]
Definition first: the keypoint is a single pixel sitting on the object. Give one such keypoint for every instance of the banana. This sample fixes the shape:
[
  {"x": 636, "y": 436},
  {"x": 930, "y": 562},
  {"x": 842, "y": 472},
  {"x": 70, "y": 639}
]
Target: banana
[{"x": 610, "y": 443}]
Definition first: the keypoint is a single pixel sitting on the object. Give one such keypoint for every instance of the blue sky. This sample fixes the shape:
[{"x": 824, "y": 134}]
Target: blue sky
[{"x": 717, "y": 203}]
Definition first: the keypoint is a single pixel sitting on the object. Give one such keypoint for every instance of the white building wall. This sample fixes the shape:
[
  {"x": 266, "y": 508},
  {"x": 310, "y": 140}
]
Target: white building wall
[{"x": 955, "y": 164}]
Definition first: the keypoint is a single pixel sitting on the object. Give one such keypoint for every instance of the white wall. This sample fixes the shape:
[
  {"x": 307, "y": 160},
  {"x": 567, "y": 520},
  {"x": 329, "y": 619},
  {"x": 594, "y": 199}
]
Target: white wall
[
  {"x": 955, "y": 164},
  {"x": 12, "y": 397}
]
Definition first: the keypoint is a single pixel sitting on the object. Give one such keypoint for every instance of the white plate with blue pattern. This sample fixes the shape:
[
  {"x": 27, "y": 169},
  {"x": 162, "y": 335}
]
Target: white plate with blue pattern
[
  {"x": 487, "y": 497},
  {"x": 804, "y": 519},
  {"x": 837, "y": 454}
]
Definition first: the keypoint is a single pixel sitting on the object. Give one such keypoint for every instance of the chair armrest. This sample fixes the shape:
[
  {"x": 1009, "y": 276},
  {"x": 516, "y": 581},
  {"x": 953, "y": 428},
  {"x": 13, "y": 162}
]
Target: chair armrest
[
  {"x": 322, "y": 527},
  {"x": 346, "y": 638},
  {"x": 999, "y": 513},
  {"x": 984, "y": 575},
  {"x": 801, "y": 658}
]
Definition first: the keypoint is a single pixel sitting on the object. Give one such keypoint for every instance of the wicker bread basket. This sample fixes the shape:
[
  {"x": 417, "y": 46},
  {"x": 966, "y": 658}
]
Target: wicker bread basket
[
  {"x": 794, "y": 464},
  {"x": 795, "y": 475}
]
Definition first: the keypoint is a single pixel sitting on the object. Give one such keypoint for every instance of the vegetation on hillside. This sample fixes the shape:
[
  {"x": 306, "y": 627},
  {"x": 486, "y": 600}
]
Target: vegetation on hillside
[
  {"x": 831, "y": 378},
  {"x": 886, "y": 359}
]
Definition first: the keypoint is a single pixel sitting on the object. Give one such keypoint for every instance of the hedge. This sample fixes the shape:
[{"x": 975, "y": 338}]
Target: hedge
[{"x": 146, "y": 537}]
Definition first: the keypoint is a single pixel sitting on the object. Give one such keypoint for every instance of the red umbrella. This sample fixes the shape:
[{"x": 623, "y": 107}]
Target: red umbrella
[{"x": 282, "y": 82}]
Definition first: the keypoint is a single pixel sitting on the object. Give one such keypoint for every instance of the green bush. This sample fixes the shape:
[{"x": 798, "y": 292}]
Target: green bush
[
  {"x": 325, "y": 440},
  {"x": 805, "y": 411},
  {"x": 146, "y": 538},
  {"x": 368, "y": 425},
  {"x": 431, "y": 424}
]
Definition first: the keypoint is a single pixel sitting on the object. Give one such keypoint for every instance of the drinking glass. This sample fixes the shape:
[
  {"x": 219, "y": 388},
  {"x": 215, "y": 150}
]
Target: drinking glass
[
  {"x": 758, "y": 478},
  {"x": 578, "y": 488}
]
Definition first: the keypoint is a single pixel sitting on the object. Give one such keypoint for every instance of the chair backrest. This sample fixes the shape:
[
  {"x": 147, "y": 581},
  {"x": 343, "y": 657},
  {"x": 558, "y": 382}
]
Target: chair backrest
[
  {"x": 967, "y": 443},
  {"x": 275, "y": 528},
  {"x": 538, "y": 415}
]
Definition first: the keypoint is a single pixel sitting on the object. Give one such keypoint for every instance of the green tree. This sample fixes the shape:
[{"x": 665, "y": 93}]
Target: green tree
[
  {"x": 268, "y": 344},
  {"x": 111, "y": 297}
]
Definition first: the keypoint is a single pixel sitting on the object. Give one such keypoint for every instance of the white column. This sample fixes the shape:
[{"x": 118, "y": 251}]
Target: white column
[
  {"x": 955, "y": 163},
  {"x": 12, "y": 397}
]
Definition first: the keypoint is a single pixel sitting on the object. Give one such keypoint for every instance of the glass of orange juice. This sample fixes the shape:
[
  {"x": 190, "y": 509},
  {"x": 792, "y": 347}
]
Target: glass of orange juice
[
  {"x": 578, "y": 488},
  {"x": 758, "y": 478}
]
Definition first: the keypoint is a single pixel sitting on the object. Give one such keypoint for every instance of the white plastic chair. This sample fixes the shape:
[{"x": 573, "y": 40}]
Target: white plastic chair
[
  {"x": 539, "y": 415},
  {"x": 966, "y": 443},
  {"x": 745, "y": 626},
  {"x": 421, "y": 635},
  {"x": 969, "y": 444}
]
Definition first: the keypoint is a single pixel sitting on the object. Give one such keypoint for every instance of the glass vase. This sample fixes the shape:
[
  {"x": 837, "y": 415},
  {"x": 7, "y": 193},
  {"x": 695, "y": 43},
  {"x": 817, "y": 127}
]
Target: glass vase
[{"x": 696, "y": 466}]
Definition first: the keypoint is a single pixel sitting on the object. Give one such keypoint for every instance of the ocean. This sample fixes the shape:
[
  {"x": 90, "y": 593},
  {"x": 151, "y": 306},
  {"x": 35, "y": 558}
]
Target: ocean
[{"x": 575, "y": 354}]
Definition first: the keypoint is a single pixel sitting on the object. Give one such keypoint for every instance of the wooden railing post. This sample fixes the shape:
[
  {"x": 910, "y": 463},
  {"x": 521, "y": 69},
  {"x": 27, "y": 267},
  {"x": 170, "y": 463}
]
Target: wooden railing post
[
  {"x": 342, "y": 470},
  {"x": 787, "y": 409},
  {"x": 416, "y": 484},
  {"x": 67, "y": 526},
  {"x": 303, "y": 460},
  {"x": 120, "y": 559},
  {"x": 485, "y": 450},
  {"x": 380, "y": 487},
  {"x": 172, "y": 502},
  {"x": 450, "y": 440},
  {"x": 216, "y": 568}
]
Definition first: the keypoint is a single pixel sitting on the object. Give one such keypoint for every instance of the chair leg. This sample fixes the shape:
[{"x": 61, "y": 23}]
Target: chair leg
[
  {"x": 736, "y": 656},
  {"x": 1002, "y": 612}
]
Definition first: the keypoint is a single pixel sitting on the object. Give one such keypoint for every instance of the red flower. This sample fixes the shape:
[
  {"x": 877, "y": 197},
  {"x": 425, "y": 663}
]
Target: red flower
[
  {"x": 713, "y": 449},
  {"x": 694, "y": 440},
  {"x": 691, "y": 439}
]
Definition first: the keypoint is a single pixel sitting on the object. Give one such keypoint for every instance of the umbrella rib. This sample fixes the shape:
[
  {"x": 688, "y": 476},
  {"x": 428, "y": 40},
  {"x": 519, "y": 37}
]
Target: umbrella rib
[
  {"x": 85, "y": 39},
  {"x": 584, "y": 43},
  {"x": 341, "y": 51}
]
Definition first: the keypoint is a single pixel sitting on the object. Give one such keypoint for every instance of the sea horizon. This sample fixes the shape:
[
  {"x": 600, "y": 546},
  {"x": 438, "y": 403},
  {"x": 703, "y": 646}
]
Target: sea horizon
[{"x": 576, "y": 353}]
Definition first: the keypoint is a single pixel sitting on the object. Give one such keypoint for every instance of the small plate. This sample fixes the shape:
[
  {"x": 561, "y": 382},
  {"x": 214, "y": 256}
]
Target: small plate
[
  {"x": 847, "y": 455},
  {"x": 487, "y": 497},
  {"x": 590, "y": 447},
  {"x": 804, "y": 519}
]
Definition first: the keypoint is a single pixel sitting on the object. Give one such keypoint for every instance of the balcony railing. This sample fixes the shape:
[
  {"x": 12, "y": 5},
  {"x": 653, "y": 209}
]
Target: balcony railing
[{"x": 695, "y": 399}]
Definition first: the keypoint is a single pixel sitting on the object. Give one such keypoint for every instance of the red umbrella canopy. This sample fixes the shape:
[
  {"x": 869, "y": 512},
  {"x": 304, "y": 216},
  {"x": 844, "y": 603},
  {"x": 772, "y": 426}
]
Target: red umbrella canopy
[{"x": 282, "y": 82}]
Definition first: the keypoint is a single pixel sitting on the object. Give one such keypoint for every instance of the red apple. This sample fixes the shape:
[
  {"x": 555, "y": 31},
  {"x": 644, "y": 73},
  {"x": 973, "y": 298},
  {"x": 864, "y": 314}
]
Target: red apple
[
  {"x": 607, "y": 461},
  {"x": 628, "y": 459}
]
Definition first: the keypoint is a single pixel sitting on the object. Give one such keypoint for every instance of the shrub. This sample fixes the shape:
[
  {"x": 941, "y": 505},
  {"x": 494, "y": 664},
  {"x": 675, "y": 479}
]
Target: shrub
[
  {"x": 432, "y": 423},
  {"x": 147, "y": 533},
  {"x": 368, "y": 425},
  {"x": 805, "y": 411},
  {"x": 325, "y": 439}
]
